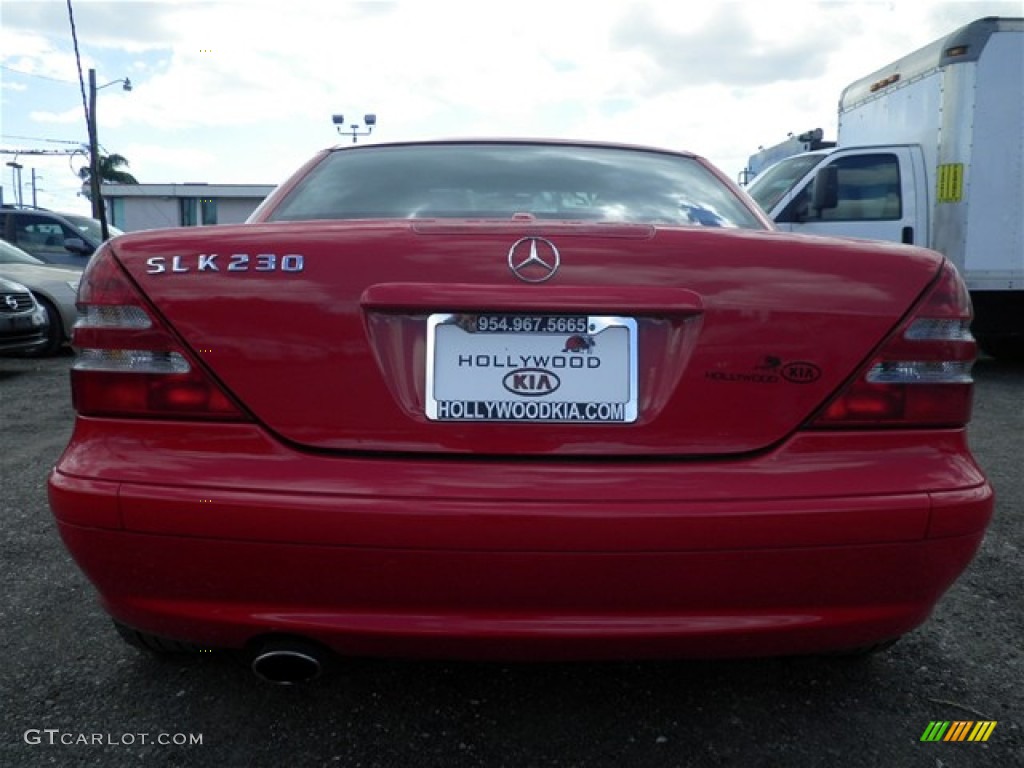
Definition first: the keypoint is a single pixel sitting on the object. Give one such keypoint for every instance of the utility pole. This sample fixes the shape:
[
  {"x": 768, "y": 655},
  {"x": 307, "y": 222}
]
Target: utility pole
[
  {"x": 34, "y": 177},
  {"x": 16, "y": 179},
  {"x": 98, "y": 210}
]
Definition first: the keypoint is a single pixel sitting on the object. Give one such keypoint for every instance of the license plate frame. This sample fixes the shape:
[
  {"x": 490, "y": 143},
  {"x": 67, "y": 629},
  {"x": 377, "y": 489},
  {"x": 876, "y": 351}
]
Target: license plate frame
[{"x": 531, "y": 368}]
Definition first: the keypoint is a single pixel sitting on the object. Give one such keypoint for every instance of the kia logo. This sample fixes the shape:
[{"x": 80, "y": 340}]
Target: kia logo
[
  {"x": 800, "y": 372},
  {"x": 531, "y": 382}
]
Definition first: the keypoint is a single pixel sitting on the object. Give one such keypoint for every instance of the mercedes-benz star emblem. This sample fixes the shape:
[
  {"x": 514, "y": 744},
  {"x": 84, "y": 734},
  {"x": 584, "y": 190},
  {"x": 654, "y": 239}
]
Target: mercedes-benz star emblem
[{"x": 533, "y": 259}]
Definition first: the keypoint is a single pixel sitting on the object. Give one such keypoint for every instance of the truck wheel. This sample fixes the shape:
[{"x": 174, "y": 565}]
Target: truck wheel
[{"x": 1006, "y": 350}]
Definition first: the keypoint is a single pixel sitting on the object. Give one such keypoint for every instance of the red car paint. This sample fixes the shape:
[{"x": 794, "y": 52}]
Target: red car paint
[{"x": 777, "y": 493}]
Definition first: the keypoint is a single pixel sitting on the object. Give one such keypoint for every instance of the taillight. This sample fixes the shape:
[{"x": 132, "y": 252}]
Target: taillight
[
  {"x": 921, "y": 375},
  {"x": 129, "y": 363}
]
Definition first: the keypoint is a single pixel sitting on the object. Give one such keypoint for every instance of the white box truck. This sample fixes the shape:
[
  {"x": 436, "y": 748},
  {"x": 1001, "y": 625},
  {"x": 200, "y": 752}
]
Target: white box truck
[{"x": 930, "y": 152}]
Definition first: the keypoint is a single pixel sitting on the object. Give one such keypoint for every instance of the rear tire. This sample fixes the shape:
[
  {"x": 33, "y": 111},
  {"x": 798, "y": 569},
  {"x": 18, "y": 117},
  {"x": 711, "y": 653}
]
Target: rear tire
[
  {"x": 863, "y": 651},
  {"x": 154, "y": 644}
]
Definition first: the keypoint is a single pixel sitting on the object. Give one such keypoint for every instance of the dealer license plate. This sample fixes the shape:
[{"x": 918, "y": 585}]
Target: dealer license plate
[{"x": 531, "y": 368}]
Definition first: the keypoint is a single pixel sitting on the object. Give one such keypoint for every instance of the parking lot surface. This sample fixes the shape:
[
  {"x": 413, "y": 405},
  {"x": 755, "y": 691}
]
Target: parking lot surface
[{"x": 73, "y": 694}]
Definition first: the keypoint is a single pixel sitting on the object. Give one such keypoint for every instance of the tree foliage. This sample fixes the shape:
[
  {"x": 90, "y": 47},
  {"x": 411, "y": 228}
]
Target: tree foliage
[{"x": 110, "y": 171}]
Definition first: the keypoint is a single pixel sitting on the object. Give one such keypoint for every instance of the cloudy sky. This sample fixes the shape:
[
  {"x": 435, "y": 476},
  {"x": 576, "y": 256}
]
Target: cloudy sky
[{"x": 233, "y": 91}]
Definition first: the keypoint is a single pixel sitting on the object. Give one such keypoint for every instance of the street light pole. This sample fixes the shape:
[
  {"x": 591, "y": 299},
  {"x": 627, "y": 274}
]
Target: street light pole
[
  {"x": 16, "y": 179},
  {"x": 98, "y": 211},
  {"x": 353, "y": 130}
]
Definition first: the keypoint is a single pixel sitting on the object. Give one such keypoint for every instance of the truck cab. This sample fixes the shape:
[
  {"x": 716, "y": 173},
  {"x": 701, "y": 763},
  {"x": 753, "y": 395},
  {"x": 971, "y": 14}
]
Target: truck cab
[
  {"x": 930, "y": 152},
  {"x": 868, "y": 192}
]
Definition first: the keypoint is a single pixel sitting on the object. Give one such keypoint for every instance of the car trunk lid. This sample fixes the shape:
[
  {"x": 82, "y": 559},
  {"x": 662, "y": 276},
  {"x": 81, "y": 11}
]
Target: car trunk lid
[{"x": 365, "y": 336}]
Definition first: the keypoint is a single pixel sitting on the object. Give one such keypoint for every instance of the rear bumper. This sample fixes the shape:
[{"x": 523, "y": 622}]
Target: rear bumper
[{"x": 823, "y": 544}]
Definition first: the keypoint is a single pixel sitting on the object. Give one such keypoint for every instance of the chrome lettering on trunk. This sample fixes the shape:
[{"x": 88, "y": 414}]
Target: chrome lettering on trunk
[{"x": 238, "y": 262}]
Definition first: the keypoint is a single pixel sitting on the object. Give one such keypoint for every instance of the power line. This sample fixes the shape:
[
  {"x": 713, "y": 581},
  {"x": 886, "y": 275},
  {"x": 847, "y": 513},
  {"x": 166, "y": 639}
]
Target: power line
[
  {"x": 34, "y": 138},
  {"x": 33, "y": 74},
  {"x": 58, "y": 152},
  {"x": 78, "y": 60}
]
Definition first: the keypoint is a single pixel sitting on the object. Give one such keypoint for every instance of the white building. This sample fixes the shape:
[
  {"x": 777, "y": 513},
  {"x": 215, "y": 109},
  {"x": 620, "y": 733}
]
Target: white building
[{"x": 131, "y": 207}]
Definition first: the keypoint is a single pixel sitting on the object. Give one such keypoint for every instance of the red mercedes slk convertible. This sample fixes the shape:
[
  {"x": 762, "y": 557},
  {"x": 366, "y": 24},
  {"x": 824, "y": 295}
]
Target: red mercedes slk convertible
[{"x": 517, "y": 399}]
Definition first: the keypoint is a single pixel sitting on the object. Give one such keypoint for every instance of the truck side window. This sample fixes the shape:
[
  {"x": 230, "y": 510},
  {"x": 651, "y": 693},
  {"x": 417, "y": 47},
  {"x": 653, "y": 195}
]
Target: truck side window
[{"x": 869, "y": 190}]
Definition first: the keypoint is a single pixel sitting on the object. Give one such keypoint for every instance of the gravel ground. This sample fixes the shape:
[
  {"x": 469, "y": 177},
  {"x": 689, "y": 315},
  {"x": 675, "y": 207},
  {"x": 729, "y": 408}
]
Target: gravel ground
[{"x": 69, "y": 678}]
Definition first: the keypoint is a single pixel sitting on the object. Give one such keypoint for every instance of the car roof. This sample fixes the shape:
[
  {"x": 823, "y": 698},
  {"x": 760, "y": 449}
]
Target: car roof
[{"x": 517, "y": 140}]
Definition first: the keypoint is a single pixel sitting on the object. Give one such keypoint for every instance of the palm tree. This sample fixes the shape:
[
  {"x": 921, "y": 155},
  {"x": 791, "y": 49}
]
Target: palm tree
[{"x": 110, "y": 172}]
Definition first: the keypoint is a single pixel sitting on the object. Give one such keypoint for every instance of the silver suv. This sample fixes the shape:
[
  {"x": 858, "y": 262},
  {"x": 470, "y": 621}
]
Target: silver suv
[{"x": 56, "y": 238}]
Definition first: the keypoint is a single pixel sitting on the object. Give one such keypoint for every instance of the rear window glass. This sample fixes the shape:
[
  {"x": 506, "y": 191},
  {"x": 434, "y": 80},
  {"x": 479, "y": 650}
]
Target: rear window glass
[{"x": 500, "y": 180}]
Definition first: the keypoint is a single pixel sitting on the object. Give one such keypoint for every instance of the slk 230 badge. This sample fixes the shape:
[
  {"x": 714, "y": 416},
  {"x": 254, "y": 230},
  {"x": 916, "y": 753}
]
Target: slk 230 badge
[{"x": 215, "y": 262}]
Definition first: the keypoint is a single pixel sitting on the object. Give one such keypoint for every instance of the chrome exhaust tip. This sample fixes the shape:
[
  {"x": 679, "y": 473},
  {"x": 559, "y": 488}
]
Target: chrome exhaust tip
[{"x": 288, "y": 662}]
